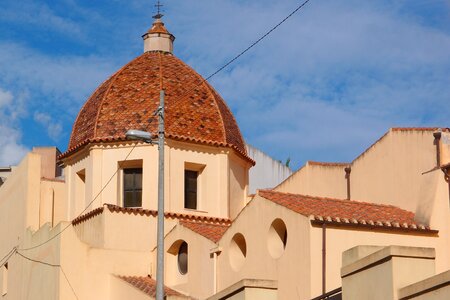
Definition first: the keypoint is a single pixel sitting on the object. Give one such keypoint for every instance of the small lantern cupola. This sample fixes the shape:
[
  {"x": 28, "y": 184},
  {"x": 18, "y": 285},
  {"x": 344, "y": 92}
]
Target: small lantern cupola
[{"x": 158, "y": 38}]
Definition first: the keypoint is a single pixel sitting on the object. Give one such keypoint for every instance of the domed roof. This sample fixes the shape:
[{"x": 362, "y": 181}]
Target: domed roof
[{"x": 194, "y": 111}]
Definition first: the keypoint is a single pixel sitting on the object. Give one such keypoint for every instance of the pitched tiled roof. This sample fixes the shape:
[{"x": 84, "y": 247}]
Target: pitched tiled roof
[
  {"x": 212, "y": 232},
  {"x": 194, "y": 110},
  {"x": 149, "y": 212},
  {"x": 148, "y": 286},
  {"x": 158, "y": 27},
  {"x": 346, "y": 212}
]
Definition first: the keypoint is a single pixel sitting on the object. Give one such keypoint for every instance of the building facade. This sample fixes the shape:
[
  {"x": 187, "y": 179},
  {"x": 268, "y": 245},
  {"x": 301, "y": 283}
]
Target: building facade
[{"x": 91, "y": 232}]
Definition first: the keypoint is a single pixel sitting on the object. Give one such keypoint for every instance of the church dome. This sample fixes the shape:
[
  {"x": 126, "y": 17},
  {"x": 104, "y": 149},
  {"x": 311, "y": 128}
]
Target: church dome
[{"x": 194, "y": 111}]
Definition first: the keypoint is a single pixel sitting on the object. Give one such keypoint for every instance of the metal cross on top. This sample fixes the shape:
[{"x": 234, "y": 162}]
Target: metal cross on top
[{"x": 158, "y": 6}]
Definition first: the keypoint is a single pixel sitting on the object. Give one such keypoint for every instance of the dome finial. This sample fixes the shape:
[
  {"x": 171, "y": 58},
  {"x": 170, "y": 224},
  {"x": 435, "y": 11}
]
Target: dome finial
[
  {"x": 158, "y": 6},
  {"x": 158, "y": 38}
]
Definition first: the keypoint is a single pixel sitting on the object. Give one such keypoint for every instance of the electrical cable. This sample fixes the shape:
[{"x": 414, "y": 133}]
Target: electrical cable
[
  {"x": 82, "y": 212},
  {"x": 129, "y": 153},
  {"x": 50, "y": 265},
  {"x": 8, "y": 256}
]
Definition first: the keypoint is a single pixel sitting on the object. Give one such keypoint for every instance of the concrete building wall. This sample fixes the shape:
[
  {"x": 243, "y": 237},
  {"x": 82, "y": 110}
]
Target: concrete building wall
[
  {"x": 222, "y": 181},
  {"x": 390, "y": 172},
  {"x": 317, "y": 179},
  {"x": 267, "y": 173},
  {"x": 198, "y": 282},
  {"x": 436, "y": 287},
  {"x": 380, "y": 275},
  {"x": 339, "y": 240},
  {"x": 290, "y": 267}
]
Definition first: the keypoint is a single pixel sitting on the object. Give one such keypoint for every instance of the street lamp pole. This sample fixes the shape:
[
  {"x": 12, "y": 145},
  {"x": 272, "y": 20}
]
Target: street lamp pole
[
  {"x": 160, "y": 226},
  {"x": 134, "y": 134}
]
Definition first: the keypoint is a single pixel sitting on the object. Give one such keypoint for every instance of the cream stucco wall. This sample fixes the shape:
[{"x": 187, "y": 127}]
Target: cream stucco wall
[
  {"x": 299, "y": 269},
  {"x": 436, "y": 287},
  {"x": 53, "y": 204},
  {"x": 198, "y": 282},
  {"x": 222, "y": 184},
  {"x": 317, "y": 180},
  {"x": 339, "y": 240},
  {"x": 88, "y": 269},
  {"x": 391, "y": 170},
  {"x": 381, "y": 274},
  {"x": 291, "y": 269},
  {"x": 111, "y": 230}
]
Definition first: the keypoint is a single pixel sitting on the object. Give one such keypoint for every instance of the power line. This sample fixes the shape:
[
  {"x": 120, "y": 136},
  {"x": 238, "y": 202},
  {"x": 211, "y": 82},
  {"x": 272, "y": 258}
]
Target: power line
[
  {"x": 204, "y": 80},
  {"x": 8, "y": 256},
  {"x": 257, "y": 41},
  {"x": 248, "y": 48},
  {"x": 50, "y": 265},
  {"x": 89, "y": 204}
]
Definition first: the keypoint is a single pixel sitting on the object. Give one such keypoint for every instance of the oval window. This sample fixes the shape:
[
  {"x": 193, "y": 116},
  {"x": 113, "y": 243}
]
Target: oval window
[{"x": 183, "y": 258}]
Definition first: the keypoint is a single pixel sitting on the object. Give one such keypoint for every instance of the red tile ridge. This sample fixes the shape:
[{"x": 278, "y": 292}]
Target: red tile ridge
[
  {"x": 79, "y": 146},
  {"x": 393, "y": 218},
  {"x": 213, "y": 232},
  {"x": 327, "y": 164},
  {"x": 324, "y": 198},
  {"x": 148, "y": 285},
  {"x": 89, "y": 215},
  {"x": 149, "y": 212},
  {"x": 415, "y": 128}
]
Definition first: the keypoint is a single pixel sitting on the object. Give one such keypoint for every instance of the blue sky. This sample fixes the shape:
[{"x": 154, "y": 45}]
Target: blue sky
[{"x": 323, "y": 86}]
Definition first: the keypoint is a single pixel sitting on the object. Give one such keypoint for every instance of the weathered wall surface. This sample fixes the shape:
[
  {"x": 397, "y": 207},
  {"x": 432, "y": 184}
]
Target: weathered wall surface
[{"x": 267, "y": 173}]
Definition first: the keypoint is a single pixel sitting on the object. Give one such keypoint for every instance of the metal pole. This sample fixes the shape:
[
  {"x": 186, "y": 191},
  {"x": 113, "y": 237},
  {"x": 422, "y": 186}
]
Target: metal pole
[
  {"x": 160, "y": 228},
  {"x": 324, "y": 258}
]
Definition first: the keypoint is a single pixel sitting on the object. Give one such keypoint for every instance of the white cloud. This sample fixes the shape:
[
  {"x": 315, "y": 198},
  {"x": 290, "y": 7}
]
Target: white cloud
[
  {"x": 38, "y": 15},
  {"x": 5, "y": 98},
  {"x": 326, "y": 83},
  {"x": 11, "y": 148},
  {"x": 63, "y": 79},
  {"x": 54, "y": 129}
]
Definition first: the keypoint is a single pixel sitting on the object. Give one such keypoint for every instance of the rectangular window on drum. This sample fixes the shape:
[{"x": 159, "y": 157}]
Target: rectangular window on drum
[
  {"x": 190, "y": 189},
  {"x": 132, "y": 187}
]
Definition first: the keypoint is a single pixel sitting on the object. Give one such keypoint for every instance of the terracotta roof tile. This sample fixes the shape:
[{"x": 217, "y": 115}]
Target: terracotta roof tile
[
  {"x": 345, "y": 211},
  {"x": 414, "y": 128},
  {"x": 158, "y": 27},
  {"x": 194, "y": 110},
  {"x": 327, "y": 164},
  {"x": 212, "y": 232},
  {"x": 148, "y": 286},
  {"x": 149, "y": 212}
]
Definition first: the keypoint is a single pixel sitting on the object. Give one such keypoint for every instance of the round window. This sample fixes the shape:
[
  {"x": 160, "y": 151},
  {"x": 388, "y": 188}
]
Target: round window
[
  {"x": 277, "y": 238},
  {"x": 238, "y": 251},
  {"x": 183, "y": 258}
]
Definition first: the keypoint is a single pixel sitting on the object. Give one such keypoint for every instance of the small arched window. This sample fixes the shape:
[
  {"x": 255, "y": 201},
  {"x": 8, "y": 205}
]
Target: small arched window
[{"x": 183, "y": 258}]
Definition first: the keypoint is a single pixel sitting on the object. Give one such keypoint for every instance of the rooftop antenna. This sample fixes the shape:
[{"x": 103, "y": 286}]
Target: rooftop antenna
[{"x": 158, "y": 6}]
